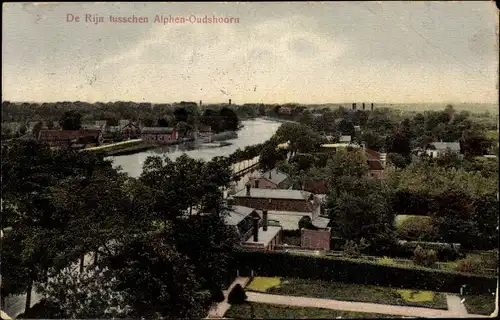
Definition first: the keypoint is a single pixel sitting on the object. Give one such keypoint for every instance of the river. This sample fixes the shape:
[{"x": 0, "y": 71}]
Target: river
[{"x": 254, "y": 132}]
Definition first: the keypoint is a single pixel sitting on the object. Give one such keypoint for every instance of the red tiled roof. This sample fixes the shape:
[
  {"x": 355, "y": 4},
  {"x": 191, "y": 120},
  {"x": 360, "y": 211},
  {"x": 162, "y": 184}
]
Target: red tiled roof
[
  {"x": 375, "y": 165},
  {"x": 371, "y": 154}
]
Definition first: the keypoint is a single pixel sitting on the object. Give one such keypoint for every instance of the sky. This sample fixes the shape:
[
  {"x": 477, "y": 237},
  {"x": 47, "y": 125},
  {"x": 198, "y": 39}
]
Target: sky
[{"x": 305, "y": 52}]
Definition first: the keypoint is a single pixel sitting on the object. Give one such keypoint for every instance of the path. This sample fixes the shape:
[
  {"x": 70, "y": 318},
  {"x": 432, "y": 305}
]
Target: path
[
  {"x": 453, "y": 312},
  {"x": 455, "y": 308}
]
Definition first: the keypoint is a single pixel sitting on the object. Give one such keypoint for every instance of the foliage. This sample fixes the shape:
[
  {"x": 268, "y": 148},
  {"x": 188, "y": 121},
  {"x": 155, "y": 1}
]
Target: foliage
[
  {"x": 90, "y": 294},
  {"x": 423, "y": 257},
  {"x": 237, "y": 295},
  {"x": 417, "y": 228},
  {"x": 470, "y": 264},
  {"x": 353, "y": 249},
  {"x": 306, "y": 223},
  {"x": 71, "y": 120},
  {"x": 480, "y": 304},
  {"x": 415, "y": 295},
  {"x": 277, "y": 264},
  {"x": 217, "y": 295}
]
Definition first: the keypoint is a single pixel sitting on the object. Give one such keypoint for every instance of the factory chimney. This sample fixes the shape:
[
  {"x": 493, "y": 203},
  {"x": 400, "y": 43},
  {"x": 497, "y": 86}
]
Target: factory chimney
[
  {"x": 354, "y": 106},
  {"x": 229, "y": 101},
  {"x": 264, "y": 217}
]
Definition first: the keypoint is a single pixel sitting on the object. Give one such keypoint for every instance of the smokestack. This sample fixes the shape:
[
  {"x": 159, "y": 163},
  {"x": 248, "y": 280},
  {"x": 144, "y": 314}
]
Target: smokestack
[
  {"x": 372, "y": 106},
  {"x": 248, "y": 190},
  {"x": 354, "y": 106},
  {"x": 264, "y": 217},
  {"x": 255, "y": 229},
  {"x": 363, "y": 106},
  {"x": 229, "y": 101},
  {"x": 270, "y": 176},
  {"x": 200, "y": 103}
]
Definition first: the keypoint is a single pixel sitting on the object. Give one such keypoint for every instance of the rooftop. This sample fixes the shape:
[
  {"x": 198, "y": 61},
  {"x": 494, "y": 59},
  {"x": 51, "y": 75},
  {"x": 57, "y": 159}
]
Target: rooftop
[
  {"x": 275, "y": 176},
  {"x": 275, "y": 194},
  {"x": 453, "y": 146},
  {"x": 265, "y": 237},
  {"x": 345, "y": 139},
  {"x": 289, "y": 220},
  {"x": 237, "y": 214},
  {"x": 157, "y": 130}
]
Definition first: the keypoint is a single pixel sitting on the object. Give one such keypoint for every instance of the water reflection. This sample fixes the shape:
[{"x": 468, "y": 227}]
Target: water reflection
[{"x": 253, "y": 132}]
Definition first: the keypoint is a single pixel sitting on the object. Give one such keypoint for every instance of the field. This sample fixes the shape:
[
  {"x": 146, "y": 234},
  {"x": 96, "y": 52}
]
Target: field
[
  {"x": 350, "y": 292},
  {"x": 270, "y": 311}
]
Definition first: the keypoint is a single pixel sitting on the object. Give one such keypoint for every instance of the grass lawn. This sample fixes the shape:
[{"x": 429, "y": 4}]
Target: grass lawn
[
  {"x": 480, "y": 304},
  {"x": 262, "y": 284},
  {"x": 357, "y": 292},
  {"x": 272, "y": 311}
]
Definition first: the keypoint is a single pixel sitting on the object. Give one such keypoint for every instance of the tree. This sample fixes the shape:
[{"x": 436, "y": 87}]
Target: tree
[
  {"x": 71, "y": 120},
  {"x": 418, "y": 229},
  {"x": 88, "y": 294},
  {"x": 423, "y": 257},
  {"x": 372, "y": 140},
  {"x": 36, "y": 129},
  {"x": 237, "y": 295},
  {"x": 229, "y": 119},
  {"x": 23, "y": 129},
  {"x": 306, "y": 223},
  {"x": 162, "y": 123},
  {"x": 359, "y": 208},
  {"x": 156, "y": 280},
  {"x": 181, "y": 115}
]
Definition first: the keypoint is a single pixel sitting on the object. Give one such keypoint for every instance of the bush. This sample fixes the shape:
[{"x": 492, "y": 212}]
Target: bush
[
  {"x": 417, "y": 229},
  {"x": 353, "y": 249},
  {"x": 217, "y": 295},
  {"x": 237, "y": 295},
  {"x": 278, "y": 264},
  {"x": 470, "y": 264},
  {"x": 423, "y": 257}
]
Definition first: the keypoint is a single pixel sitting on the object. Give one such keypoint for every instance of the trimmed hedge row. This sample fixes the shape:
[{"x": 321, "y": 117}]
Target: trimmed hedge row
[{"x": 276, "y": 264}]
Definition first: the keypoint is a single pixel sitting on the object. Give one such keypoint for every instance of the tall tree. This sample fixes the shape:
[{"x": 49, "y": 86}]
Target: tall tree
[{"x": 71, "y": 120}]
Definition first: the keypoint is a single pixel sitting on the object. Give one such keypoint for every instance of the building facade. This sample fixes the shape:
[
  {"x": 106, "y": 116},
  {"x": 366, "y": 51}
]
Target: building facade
[{"x": 158, "y": 135}]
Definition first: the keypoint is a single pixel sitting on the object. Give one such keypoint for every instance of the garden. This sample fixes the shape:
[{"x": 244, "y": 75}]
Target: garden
[{"x": 348, "y": 292}]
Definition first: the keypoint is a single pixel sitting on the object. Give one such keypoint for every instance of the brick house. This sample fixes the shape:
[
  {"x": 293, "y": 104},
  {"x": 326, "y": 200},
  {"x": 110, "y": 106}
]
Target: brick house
[
  {"x": 263, "y": 236},
  {"x": 204, "y": 132},
  {"x": 272, "y": 179},
  {"x": 158, "y": 135},
  {"x": 376, "y": 167},
  {"x": 278, "y": 200},
  {"x": 63, "y": 138}
]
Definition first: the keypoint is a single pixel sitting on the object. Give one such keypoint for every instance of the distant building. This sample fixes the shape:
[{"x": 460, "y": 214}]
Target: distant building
[
  {"x": 204, "y": 132},
  {"x": 437, "y": 149},
  {"x": 272, "y": 179},
  {"x": 131, "y": 131},
  {"x": 318, "y": 239},
  {"x": 90, "y": 126},
  {"x": 66, "y": 138},
  {"x": 101, "y": 123},
  {"x": 286, "y": 110},
  {"x": 123, "y": 122},
  {"x": 345, "y": 139},
  {"x": 278, "y": 200},
  {"x": 158, "y": 135}
]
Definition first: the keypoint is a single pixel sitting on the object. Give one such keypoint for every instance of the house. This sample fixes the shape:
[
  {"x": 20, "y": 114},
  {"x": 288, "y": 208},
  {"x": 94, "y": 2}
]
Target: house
[
  {"x": 131, "y": 131},
  {"x": 31, "y": 125},
  {"x": 317, "y": 186},
  {"x": 263, "y": 236},
  {"x": 345, "y": 139},
  {"x": 123, "y": 122},
  {"x": 90, "y": 126},
  {"x": 204, "y": 132},
  {"x": 376, "y": 163},
  {"x": 278, "y": 200},
  {"x": 272, "y": 179},
  {"x": 437, "y": 149},
  {"x": 101, "y": 123},
  {"x": 286, "y": 110},
  {"x": 12, "y": 126},
  {"x": 63, "y": 138},
  {"x": 158, "y": 135}
]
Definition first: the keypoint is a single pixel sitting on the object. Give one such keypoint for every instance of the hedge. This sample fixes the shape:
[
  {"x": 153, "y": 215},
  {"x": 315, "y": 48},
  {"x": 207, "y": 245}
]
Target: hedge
[{"x": 276, "y": 264}]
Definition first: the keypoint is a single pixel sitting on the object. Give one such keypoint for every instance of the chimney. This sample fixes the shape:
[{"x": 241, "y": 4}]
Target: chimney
[
  {"x": 363, "y": 106},
  {"x": 372, "y": 106},
  {"x": 354, "y": 106},
  {"x": 248, "y": 190},
  {"x": 229, "y": 101},
  {"x": 264, "y": 217},
  {"x": 270, "y": 176},
  {"x": 255, "y": 229},
  {"x": 200, "y": 103}
]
